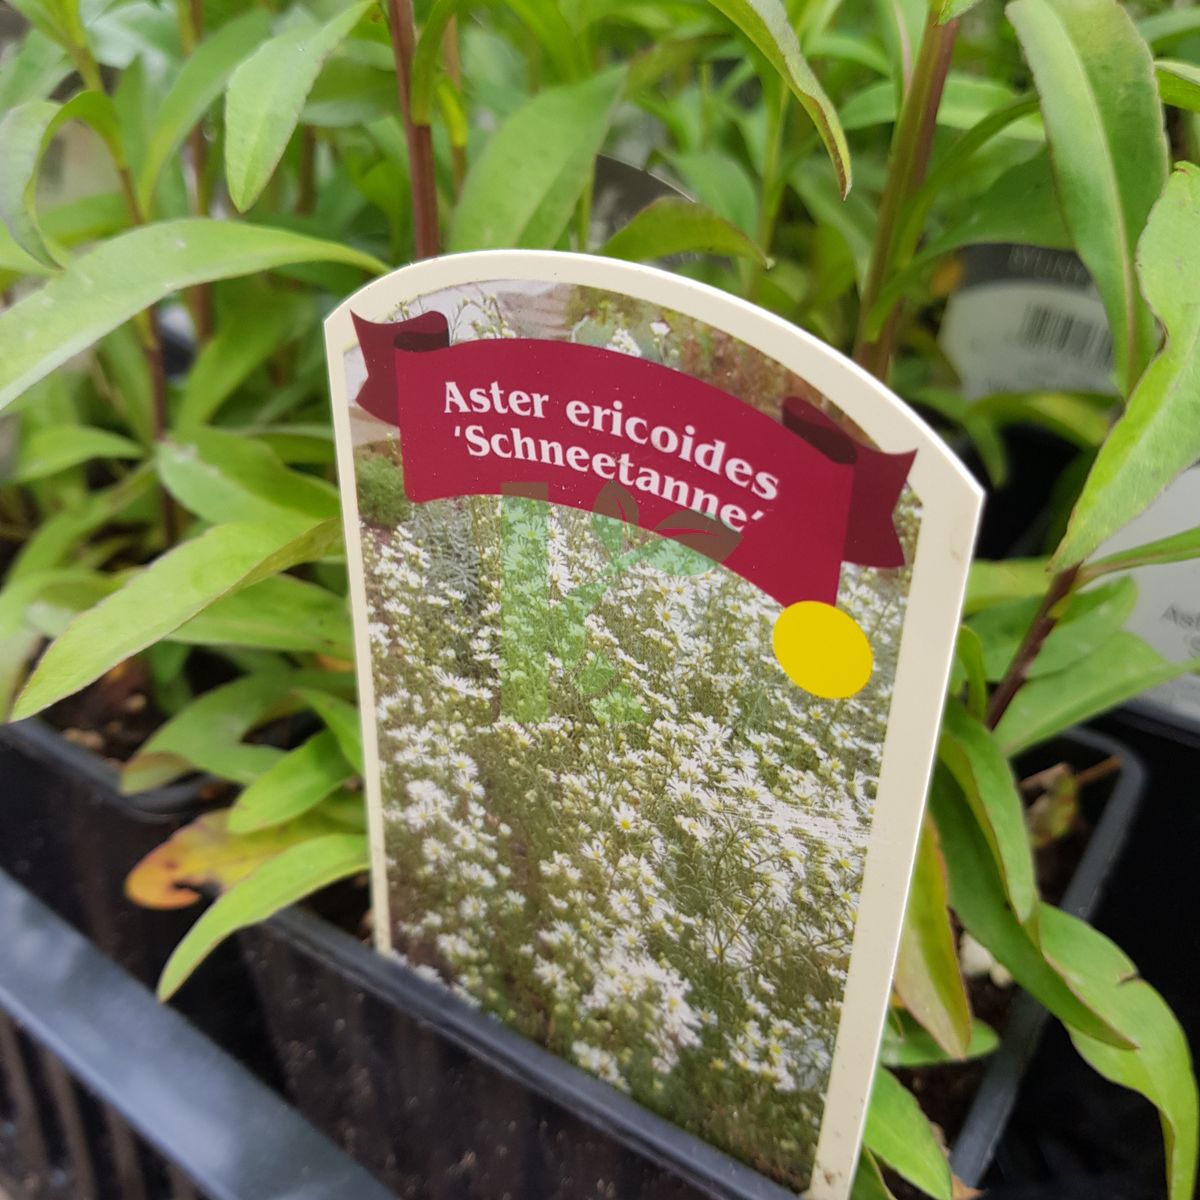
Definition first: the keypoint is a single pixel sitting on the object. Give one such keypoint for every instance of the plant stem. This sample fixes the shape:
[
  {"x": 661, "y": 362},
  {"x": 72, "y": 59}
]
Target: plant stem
[
  {"x": 191, "y": 31},
  {"x": 421, "y": 175},
  {"x": 911, "y": 144},
  {"x": 1035, "y": 638},
  {"x": 145, "y": 323}
]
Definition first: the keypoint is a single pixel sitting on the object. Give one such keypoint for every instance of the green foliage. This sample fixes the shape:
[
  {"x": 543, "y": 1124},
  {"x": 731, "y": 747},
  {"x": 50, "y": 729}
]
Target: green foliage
[
  {"x": 381, "y": 496},
  {"x": 1107, "y": 145},
  {"x": 1159, "y": 433},
  {"x": 174, "y": 518},
  {"x": 292, "y": 874}
]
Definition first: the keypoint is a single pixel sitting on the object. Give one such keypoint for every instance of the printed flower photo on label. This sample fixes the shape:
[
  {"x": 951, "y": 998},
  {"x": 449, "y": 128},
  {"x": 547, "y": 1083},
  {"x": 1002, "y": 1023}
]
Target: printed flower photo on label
[{"x": 612, "y": 820}]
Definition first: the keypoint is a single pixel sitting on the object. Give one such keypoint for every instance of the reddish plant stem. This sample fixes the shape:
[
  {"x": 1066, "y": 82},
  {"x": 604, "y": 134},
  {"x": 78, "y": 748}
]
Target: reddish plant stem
[
  {"x": 911, "y": 144},
  {"x": 1035, "y": 638},
  {"x": 422, "y": 178}
]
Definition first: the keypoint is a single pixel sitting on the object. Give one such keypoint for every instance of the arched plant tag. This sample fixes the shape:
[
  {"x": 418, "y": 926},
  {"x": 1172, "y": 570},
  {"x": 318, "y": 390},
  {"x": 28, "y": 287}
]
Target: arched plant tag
[{"x": 655, "y": 599}]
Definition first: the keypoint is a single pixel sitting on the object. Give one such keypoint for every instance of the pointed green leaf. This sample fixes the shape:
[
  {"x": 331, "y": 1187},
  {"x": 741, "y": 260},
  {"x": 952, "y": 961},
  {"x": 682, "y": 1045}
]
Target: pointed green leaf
[
  {"x": 1124, "y": 667},
  {"x": 244, "y": 340},
  {"x": 974, "y": 758},
  {"x": 283, "y": 613},
  {"x": 525, "y": 184},
  {"x": 906, "y": 1044},
  {"x": 1085, "y": 623},
  {"x": 299, "y": 781},
  {"x": 342, "y": 720},
  {"x": 54, "y": 448},
  {"x": 221, "y": 476},
  {"x": 427, "y": 59},
  {"x": 1159, "y": 434},
  {"x": 266, "y": 96},
  {"x": 297, "y": 872},
  {"x": 1095, "y": 80},
  {"x": 978, "y": 896},
  {"x": 1179, "y": 83},
  {"x": 133, "y": 270},
  {"x": 672, "y": 226},
  {"x": 206, "y": 735},
  {"x": 927, "y": 977},
  {"x": 1161, "y": 1066},
  {"x": 991, "y": 583},
  {"x": 1178, "y": 548},
  {"x": 868, "y": 1180},
  {"x": 177, "y": 586},
  {"x": 200, "y": 81},
  {"x": 899, "y": 1135},
  {"x": 25, "y": 132},
  {"x": 767, "y": 25},
  {"x": 37, "y": 67}
]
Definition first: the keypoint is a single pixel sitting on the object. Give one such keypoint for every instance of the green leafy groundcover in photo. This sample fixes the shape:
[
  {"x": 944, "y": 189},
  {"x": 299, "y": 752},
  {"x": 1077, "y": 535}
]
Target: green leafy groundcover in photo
[{"x": 658, "y": 879}]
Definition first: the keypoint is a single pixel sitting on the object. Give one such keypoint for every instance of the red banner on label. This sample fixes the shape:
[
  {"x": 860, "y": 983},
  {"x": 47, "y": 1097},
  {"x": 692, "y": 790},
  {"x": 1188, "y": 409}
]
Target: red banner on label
[{"x": 483, "y": 417}]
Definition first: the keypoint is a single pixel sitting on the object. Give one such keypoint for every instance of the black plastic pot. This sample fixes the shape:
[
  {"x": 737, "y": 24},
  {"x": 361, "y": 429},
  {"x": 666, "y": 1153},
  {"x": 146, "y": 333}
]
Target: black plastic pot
[
  {"x": 432, "y": 1097},
  {"x": 443, "y": 1102},
  {"x": 1110, "y": 809},
  {"x": 105, "y": 1094}
]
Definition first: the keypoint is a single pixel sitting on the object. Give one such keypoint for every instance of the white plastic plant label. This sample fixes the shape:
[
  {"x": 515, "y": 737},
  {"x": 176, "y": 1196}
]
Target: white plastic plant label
[
  {"x": 1167, "y": 612},
  {"x": 655, "y": 600},
  {"x": 1026, "y": 319}
]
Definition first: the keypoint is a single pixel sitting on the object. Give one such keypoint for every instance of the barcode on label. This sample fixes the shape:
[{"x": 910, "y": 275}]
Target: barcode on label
[{"x": 1049, "y": 328}]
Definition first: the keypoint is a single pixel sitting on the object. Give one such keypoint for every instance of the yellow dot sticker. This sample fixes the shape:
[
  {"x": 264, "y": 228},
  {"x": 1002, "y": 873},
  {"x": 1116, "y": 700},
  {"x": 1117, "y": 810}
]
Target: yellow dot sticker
[{"x": 822, "y": 649}]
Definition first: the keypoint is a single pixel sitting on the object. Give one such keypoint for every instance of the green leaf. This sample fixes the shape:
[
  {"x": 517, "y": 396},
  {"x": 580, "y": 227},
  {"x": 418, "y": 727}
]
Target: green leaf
[
  {"x": 1172, "y": 25},
  {"x": 1178, "y": 548},
  {"x": 342, "y": 720},
  {"x": 25, "y": 132},
  {"x": 1080, "y": 419},
  {"x": 297, "y": 872},
  {"x": 200, "y": 81},
  {"x": 868, "y": 1180},
  {"x": 206, "y": 735},
  {"x": 206, "y": 855},
  {"x": 221, "y": 476},
  {"x": 973, "y": 757},
  {"x": 1095, "y": 79},
  {"x": 523, "y": 188},
  {"x": 283, "y": 613},
  {"x": 968, "y": 651},
  {"x": 298, "y": 782},
  {"x": 977, "y": 895},
  {"x": 1179, "y": 84},
  {"x": 174, "y": 588},
  {"x": 767, "y": 25},
  {"x": 723, "y": 184},
  {"x": 265, "y": 98},
  {"x": 53, "y": 448},
  {"x": 427, "y": 60},
  {"x": 672, "y": 226},
  {"x": 906, "y": 1044},
  {"x": 1085, "y": 623},
  {"x": 53, "y": 542},
  {"x": 1159, "y": 434},
  {"x": 133, "y": 270},
  {"x": 37, "y": 67},
  {"x": 991, "y": 583},
  {"x": 927, "y": 977},
  {"x": 18, "y": 636},
  {"x": 898, "y": 1133},
  {"x": 967, "y": 100},
  {"x": 1161, "y": 1066},
  {"x": 244, "y": 340},
  {"x": 1124, "y": 667}
]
